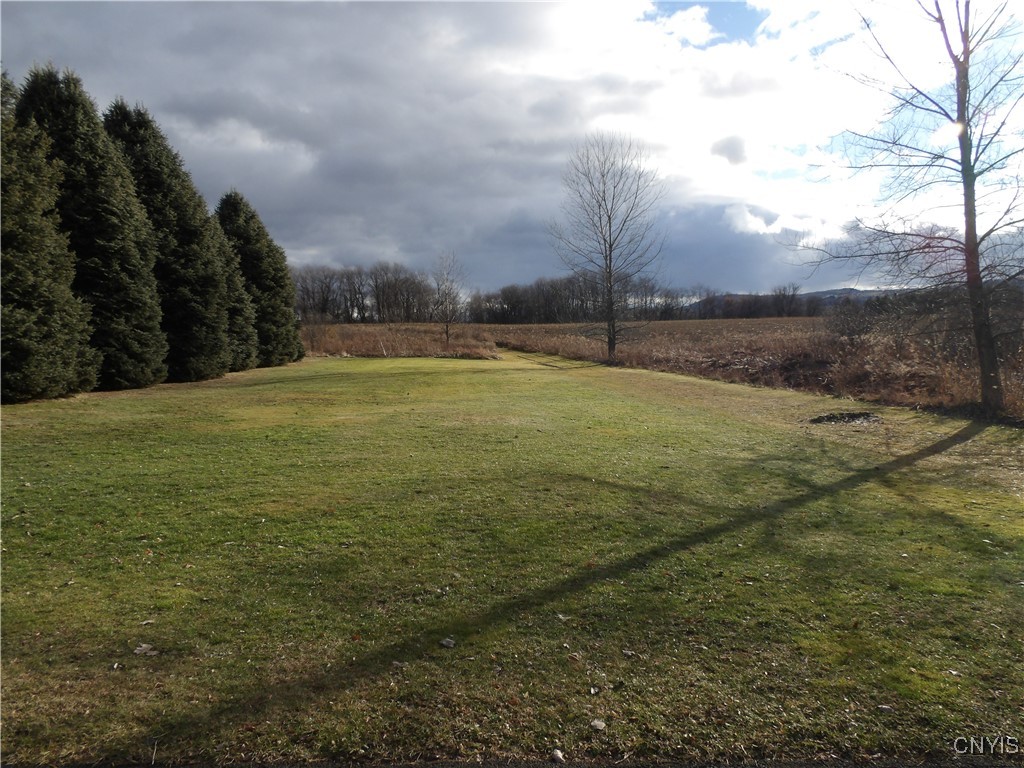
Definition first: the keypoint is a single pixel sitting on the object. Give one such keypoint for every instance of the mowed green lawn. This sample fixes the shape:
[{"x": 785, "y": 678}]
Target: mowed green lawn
[{"x": 263, "y": 568}]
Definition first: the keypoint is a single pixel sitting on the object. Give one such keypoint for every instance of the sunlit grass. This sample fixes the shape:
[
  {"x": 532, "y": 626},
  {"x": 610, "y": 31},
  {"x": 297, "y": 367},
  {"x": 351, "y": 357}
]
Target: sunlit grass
[{"x": 691, "y": 562}]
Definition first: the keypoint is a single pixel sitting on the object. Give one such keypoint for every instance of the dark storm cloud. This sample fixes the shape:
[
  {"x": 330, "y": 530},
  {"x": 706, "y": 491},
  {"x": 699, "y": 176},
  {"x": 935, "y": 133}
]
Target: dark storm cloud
[
  {"x": 517, "y": 250},
  {"x": 703, "y": 247},
  {"x": 365, "y": 131},
  {"x": 360, "y": 131}
]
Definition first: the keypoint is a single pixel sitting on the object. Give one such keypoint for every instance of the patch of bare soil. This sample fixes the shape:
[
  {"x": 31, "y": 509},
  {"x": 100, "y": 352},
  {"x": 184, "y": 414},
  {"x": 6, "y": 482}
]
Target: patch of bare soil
[{"x": 847, "y": 417}]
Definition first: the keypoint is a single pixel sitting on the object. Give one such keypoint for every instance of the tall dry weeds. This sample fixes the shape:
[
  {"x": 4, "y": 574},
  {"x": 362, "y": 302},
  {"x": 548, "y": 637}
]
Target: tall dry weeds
[{"x": 406, "y": 340}]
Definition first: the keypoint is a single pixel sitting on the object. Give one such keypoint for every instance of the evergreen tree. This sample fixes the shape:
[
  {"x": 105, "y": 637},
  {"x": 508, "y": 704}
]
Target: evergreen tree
[
  {"x": 108, "y": 230},
  {"x": 243, "y": 343},
  {"x": 267, "y": 280},
  {"x": 189, "y": 272},
  {"x": 45, "y": 349}
]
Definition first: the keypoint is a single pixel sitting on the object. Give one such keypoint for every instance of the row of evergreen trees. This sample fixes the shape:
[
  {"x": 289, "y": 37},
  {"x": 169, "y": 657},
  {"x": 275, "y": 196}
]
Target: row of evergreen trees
[{"x": 114, "y": 273}]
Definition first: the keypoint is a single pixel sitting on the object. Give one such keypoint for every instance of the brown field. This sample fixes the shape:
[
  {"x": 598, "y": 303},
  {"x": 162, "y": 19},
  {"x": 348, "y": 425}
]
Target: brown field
[{"x": 793, "y": 353}]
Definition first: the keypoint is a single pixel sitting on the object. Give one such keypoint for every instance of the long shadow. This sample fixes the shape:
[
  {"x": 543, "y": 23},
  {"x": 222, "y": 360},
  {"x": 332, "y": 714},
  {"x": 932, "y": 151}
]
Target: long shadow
[
  {"x": 554, "y": 361},
  {"x": 964, "y": 434},
  {"x": 252, "y": 382},
  {"x": 424, "y": 643},
  {"x": 350, "y": 375}
]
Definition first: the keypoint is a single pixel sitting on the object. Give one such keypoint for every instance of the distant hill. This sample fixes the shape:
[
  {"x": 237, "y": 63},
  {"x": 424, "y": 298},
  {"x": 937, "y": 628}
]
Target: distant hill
[
  {"x": 764, "y": 305},
  {"x": 835, "y": 295}
]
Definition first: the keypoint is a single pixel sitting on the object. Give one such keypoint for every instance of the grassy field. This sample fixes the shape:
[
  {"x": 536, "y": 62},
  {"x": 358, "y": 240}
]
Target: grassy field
[{"x": 264, "y": 567}]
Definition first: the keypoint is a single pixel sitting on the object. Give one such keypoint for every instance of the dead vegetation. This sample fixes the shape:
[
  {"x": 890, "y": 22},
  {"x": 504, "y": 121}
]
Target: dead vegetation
[
  {"x": 398, "y": 340},
  {"x": 801, "y": 353}
]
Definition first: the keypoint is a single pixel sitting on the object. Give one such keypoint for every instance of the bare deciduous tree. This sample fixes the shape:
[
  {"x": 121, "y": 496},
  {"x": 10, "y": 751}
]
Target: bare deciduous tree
[
  {"x": 399, "y": 294},
  {"x": 609, "y": 237},
  {"x": 980, "y": 161},
  {"x": 448, "y": 304},
  {"x": 318, "y": 297},
  {"x": 786, "y": 300}
]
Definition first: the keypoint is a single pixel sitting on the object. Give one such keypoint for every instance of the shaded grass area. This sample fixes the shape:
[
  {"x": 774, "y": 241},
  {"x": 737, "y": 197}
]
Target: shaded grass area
[{"x": 693, "y": 563}]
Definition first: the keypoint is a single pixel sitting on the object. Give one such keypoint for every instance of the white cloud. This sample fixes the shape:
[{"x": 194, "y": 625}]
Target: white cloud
[{"x": 690, "y": 26}]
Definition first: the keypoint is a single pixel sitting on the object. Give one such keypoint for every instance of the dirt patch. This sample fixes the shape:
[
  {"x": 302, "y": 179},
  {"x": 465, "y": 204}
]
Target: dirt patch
[{"x": 847, "y": 417}]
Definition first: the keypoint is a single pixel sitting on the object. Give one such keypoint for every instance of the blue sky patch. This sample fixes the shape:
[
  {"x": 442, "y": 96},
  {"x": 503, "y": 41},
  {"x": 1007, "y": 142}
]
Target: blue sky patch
[{"x": 733, "y": 18}]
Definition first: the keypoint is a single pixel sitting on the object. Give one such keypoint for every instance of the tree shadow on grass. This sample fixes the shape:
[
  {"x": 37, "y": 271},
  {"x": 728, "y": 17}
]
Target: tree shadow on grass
[
  {"x": 266, "y": 698},
  {"x": 555, "y": 361}
]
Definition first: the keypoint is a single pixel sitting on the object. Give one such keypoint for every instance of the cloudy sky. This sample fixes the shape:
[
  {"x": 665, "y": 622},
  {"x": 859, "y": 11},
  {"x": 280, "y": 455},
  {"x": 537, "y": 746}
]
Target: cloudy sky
[{"x": 372, "y": 131}]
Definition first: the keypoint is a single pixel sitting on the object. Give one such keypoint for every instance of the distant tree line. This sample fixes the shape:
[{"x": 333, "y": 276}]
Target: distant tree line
[
  {"x": 115, "y": 275},
  {"x": 573, "y": 300},
  {"x": 393, "y": 293},
  {"x": 383, "y": 293}
]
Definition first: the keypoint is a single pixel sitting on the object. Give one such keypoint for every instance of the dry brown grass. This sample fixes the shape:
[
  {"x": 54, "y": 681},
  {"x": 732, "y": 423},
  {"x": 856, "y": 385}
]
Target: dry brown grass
[
  {"x": 791, "y": 353},
  {"x": 393, "y": 340},
  {"x": 795, "y": 353}
]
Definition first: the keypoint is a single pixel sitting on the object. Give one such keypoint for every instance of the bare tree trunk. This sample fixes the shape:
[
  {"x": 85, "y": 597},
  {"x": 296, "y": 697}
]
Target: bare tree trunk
[
  {"x": 983, "y": 166},
  {"x": 981, "y": 320},
  {"x": 609, "y": 306}
]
